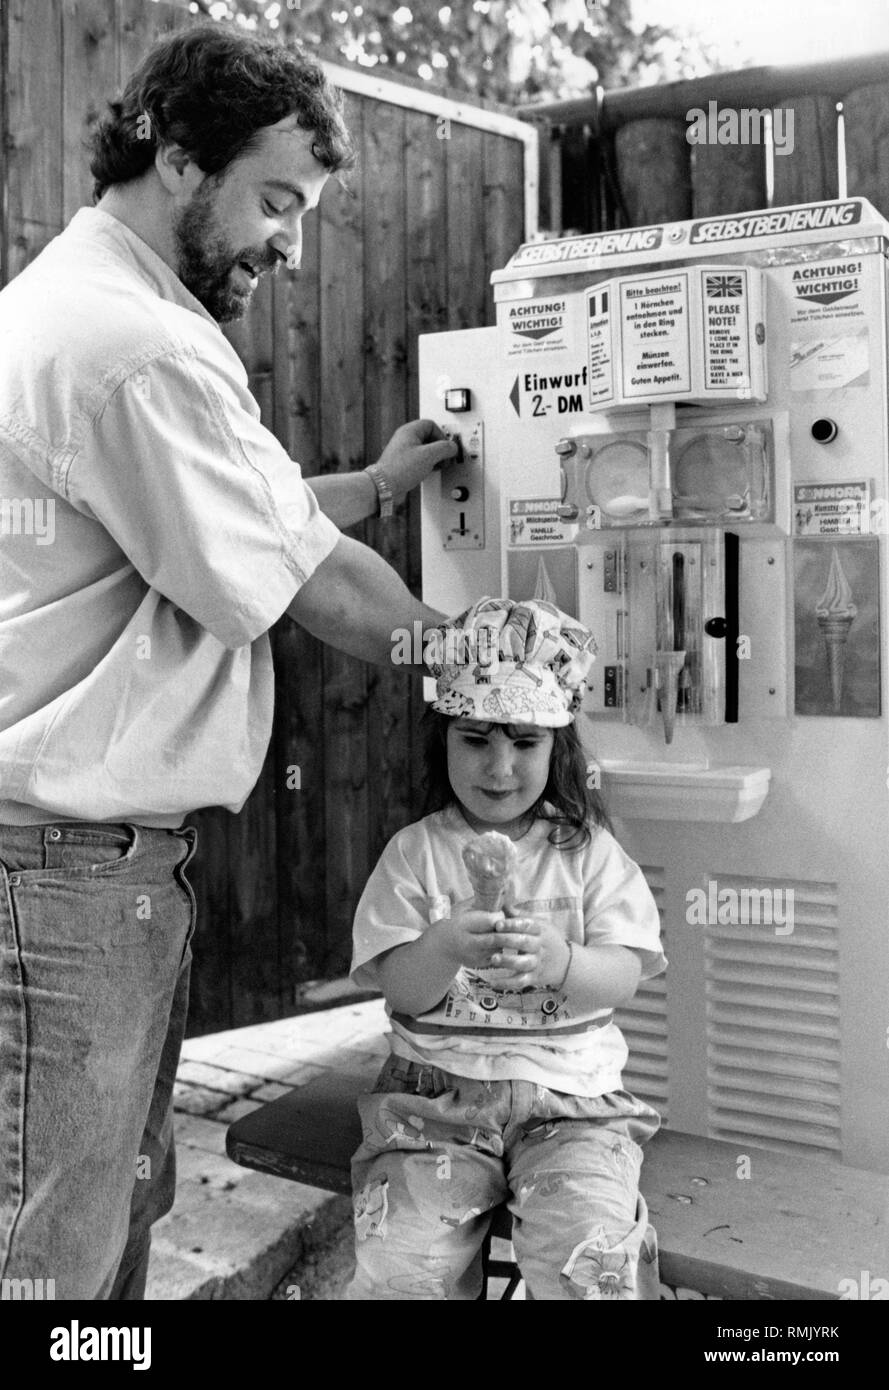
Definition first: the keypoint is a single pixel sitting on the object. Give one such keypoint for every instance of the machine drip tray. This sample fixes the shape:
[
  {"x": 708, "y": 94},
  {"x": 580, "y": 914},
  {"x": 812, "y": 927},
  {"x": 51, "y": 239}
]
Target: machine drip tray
[{"x": 683, "y": 791}]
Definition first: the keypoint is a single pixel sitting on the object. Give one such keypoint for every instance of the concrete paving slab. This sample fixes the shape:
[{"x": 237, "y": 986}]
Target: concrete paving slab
[
  {"x": 234, "y": 1082},
  {"x": 234, "y": 1233},
  {"x": 198, "y": 1100}
]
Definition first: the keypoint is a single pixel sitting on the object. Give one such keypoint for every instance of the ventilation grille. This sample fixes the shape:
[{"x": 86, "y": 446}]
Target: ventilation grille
[
  {"x": 643, "y": 1023},
  {"x": 773, "y": 1049}
]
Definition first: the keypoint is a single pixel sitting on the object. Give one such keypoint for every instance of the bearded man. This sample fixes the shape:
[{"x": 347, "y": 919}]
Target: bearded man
[{"x": 136, "y": 680}]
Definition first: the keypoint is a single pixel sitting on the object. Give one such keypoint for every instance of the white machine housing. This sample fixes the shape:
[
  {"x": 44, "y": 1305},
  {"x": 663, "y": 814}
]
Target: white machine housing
[{"x": 764, "y": 1030}]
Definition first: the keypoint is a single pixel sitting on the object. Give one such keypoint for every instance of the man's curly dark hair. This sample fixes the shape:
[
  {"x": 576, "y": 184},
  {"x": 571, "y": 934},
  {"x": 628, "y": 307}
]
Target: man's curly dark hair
[{"x": 211, "y": 89}]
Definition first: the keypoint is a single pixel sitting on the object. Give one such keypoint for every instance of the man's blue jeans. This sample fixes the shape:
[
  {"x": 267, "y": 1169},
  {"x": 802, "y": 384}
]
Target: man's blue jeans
[{"x": 95, "y": 930}]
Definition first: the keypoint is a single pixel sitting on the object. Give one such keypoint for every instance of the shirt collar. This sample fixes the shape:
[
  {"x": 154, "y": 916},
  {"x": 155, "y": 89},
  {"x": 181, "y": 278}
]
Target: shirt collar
[
  {"x": 98, "y": 226},
  {"x": 455, "y": 822}
]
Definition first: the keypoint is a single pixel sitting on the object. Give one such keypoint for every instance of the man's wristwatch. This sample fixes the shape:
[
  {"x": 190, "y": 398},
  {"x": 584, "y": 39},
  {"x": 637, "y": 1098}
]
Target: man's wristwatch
[{"x": 383, "y": 487}]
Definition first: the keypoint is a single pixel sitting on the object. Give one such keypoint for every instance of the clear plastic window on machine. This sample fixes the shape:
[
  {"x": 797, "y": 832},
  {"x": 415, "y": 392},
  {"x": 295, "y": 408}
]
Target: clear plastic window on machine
[{"x": 655, "y": 496}]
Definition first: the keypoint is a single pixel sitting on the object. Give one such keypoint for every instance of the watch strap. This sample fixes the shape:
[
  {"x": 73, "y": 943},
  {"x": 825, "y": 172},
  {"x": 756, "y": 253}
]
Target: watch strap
[{"x": 384, "y": 489}]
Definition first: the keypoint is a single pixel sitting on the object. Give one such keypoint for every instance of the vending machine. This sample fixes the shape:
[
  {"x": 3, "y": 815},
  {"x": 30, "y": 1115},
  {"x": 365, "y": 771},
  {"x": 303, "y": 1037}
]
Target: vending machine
[{"x": 678, "y": 434}]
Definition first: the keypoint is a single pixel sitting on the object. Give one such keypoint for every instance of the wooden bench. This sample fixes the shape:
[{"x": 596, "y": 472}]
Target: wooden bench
[{"x": 794, "y": 1229}]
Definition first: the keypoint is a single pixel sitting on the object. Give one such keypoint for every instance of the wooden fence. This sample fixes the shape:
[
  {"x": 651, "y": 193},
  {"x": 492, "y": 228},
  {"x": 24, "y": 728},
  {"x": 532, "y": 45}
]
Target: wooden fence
[
  {"x": 438, "y": 202},
  {"x": 622, "y": 158}
]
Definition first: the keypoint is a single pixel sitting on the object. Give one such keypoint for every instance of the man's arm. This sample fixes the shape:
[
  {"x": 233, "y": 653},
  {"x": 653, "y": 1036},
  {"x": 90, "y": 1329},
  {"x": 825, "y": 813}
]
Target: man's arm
[
  {"x": 346, "y": 498},
  {"x": 409, "y": 457},
  {"x": 354, "y": 601}
]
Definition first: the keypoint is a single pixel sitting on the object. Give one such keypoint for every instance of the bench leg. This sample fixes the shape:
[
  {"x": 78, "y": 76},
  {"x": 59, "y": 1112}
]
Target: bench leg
[{"x": 498, "y": 1269}]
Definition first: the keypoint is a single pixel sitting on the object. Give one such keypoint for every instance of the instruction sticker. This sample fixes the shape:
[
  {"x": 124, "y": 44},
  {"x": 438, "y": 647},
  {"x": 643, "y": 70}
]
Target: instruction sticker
[
  {"x": 725, "y": 308},
  {"x": 654, "y": 322},
  {"x": 599, "y": 352},
  {"x": 536, "y": 521},
  {"x": 831, "y": 509},
  {"x": 822, "y": 364},
  {"x": 534, "y": 325}
]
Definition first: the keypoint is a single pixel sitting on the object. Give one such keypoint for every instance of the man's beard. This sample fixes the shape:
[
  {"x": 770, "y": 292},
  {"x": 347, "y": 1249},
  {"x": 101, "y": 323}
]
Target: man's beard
[{"x": 206, "y": 261}]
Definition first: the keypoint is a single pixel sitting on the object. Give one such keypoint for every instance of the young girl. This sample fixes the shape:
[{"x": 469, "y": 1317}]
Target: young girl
[{"x": 504, "y": 1080}]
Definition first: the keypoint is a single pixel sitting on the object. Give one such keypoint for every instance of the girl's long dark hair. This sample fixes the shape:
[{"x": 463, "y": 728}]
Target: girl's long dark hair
[{"x": 567, "y": 800}]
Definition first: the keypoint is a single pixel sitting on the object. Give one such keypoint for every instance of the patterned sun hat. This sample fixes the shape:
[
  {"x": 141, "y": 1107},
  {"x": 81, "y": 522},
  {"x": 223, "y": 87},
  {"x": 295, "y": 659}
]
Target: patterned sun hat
[{"x": 506, "y": 662}]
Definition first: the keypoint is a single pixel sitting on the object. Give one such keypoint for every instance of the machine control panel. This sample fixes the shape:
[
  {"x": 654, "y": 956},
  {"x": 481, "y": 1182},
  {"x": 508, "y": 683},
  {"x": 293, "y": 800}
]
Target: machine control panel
[{"x": 463, "y": 487}]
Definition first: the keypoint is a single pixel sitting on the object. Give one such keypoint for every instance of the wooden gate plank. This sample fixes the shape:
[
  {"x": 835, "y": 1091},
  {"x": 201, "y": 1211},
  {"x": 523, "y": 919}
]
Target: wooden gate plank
[
  {"x": 254, "y": 932},
  {"x": 210, "y": 873},
  {"x": 504, "y": 212},
  {"x": 866, "y": 118},
  {"x": 342, "y": 433},
  {"x": 297, "y": 351},
  {"x": 5, "y": 144},
  {"x": 298, "y": 742},
  {"x": 727, "y": 178},
  {"x": 809, "y": 172},
  {"x": 89, "y": 79},
  {"x": 467, "y": 288},
  {"x": 427, "y": 312},
  {"x": 580, "y": 192},
  {"x": 389, "y": 765},
  {"x": 34, "y": 139},
  {"x": 139, "y": 25},
  {"x": 425, "y": 175},
  {"x": 654, "y": 170}
]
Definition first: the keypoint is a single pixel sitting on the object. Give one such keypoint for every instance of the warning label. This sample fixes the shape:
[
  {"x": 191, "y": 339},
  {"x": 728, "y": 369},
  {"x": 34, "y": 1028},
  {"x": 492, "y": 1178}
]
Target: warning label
[
  {"x": 534, "y": 325},
  {"x": 831, "y": 509},
  {"x": 827, "y": 284},
  {"x": 825, "y": 291},
  {"x": 655, "y": 337},
  {"x": 726, "y": 340},
  {"x": 600, "y": 360},
  {"x": 536, "y": 521}
]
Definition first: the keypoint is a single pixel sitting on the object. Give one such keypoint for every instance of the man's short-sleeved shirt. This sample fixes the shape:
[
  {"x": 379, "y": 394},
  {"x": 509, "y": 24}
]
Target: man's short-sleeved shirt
[
  {"x": 151, "y": 532},
  {"x": 593, "y": 896}
]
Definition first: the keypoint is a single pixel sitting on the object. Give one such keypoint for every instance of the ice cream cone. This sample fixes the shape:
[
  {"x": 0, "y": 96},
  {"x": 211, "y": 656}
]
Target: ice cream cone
[
  {"x": 491, "y": 901},
  {"x": 490, "y": 861},
  {"x": 835, "y": 631}
]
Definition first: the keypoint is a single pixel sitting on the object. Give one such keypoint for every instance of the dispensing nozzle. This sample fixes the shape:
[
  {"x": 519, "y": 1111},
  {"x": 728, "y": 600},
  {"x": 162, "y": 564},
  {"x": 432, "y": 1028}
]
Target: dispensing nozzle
[{"x": 668, "y": 666}]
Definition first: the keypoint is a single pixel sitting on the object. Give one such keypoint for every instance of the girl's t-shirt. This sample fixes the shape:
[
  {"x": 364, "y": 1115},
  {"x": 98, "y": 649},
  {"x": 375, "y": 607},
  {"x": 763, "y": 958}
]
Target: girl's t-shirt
[{"x": 594, "y": 896}]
